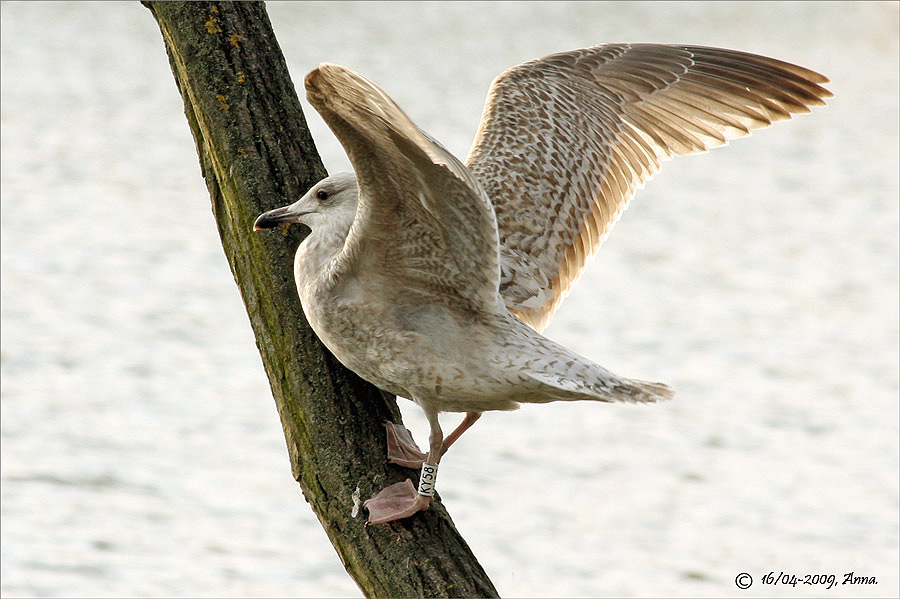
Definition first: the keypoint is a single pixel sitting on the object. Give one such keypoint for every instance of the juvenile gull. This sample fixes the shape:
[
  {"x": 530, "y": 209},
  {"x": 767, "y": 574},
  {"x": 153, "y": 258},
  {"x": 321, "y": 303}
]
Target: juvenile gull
[{"x": 431, "y": 278}]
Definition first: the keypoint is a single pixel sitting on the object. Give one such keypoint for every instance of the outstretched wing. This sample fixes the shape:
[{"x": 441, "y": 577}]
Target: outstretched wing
[
  {"x": 566, "y": 140},
  {"x": 423, "y": 225}
]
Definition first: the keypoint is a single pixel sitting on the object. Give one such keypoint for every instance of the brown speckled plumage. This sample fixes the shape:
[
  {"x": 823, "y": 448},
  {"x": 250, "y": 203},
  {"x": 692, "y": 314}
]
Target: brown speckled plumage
[{"x": 566, "y": 140}]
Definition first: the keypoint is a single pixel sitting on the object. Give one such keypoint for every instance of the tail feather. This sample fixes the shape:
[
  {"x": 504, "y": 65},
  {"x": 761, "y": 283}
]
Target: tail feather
[
  {"x": 609, "y": 388},
  {"x": 645, "y": 391}
]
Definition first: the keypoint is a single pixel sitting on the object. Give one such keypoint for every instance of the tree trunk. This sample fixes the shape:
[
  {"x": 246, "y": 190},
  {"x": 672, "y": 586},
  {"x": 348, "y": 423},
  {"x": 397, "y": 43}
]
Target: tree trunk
[{"x": 256, "y": 153}]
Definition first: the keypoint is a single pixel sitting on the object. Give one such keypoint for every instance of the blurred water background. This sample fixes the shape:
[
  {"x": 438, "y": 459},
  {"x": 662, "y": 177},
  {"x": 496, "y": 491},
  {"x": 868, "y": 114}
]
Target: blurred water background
[{"x": 141, "y": 450}]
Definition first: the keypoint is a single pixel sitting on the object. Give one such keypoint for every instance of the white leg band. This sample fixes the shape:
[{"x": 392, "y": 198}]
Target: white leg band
[{"x": 427, "y": 479}]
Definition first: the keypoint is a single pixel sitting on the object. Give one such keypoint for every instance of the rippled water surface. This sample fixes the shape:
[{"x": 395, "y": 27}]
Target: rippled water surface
[{"x": 141, "y": 450}]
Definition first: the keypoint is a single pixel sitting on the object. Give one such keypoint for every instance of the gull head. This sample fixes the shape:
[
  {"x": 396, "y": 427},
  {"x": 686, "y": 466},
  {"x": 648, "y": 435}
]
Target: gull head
[{"x": 329, "y": 203}]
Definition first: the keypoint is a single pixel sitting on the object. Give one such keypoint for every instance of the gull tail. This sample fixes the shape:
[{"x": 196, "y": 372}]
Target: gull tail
[
  {"x": 638, "y": 391},
  {"x": 606, "y": 387}
]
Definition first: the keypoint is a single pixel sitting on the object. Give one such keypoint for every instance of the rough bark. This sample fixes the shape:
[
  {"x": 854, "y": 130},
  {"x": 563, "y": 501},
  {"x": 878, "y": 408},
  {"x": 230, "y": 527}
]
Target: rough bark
[{"x": 256, "y": 153}]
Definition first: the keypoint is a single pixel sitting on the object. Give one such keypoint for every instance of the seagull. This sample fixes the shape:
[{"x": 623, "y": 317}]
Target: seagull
[{"x": 432, "y": 278}]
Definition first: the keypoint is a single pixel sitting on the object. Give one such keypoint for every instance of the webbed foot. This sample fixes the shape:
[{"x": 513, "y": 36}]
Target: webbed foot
[
  {"x": 398, "y": 501},
  {"x": 401, "y": 448}
]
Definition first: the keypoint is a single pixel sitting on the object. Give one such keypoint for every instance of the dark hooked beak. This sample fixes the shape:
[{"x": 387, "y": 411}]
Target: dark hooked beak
[{"x": 273, "y": 218}]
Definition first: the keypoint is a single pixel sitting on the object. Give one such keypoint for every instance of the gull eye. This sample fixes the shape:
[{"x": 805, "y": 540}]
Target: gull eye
[{"x": 322, "y": 195}]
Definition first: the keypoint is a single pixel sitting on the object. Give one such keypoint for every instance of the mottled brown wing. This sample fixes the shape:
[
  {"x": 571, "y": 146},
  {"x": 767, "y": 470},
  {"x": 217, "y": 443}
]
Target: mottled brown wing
[
  {"x": 566, "y": 140},
  {"x": 423, "y": 225}
]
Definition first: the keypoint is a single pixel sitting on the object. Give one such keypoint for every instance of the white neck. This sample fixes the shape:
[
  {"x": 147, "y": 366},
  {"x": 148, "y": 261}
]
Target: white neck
[{"x": 316, "y": 256}]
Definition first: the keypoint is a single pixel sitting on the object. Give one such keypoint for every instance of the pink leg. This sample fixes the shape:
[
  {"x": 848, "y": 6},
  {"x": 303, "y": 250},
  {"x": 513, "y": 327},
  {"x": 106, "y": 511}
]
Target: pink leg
[
  {"x": 403, "y": 450},
  {"x": 470, "y": 419},
  {"x": 402, "y": 500}
]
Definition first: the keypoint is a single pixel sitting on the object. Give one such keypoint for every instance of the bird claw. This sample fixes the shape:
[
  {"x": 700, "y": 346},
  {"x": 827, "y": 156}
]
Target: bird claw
[
  {"x": 398, "y": 501},
  {"x": 401, "y": 448}
]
